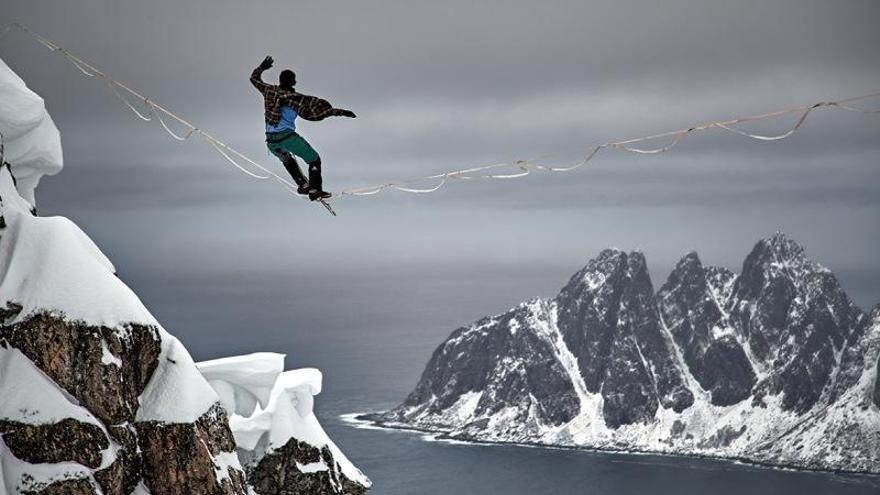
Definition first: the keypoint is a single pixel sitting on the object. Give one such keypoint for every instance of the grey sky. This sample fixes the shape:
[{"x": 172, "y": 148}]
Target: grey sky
[{"x": 442, "y": 85}]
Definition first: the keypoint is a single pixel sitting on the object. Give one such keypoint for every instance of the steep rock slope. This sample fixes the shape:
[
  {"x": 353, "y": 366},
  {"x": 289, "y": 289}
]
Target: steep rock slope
[
  {"x": 278, "y": 437},
  {"x": 775, "y": 365},
  {"x": 95, "y": 396},
  {"x": 117, "y": 392},
  {"x": 499, "y": 374}
]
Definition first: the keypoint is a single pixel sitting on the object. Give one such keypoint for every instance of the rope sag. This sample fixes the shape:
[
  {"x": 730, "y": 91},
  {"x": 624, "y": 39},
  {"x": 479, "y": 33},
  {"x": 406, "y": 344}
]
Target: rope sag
[{"x": 517, "y": 169}]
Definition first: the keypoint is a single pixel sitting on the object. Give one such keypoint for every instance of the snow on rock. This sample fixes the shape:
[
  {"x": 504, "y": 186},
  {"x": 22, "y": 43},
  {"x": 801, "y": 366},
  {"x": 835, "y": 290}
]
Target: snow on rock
[
  {"x": 93, "y": 392},
  {"x": 242, "y": 382},
  {"x": 177, "y": 392},
  {"x": 274, "y": 420},
  {"x": 29, "y": 396},
  {"x": 32, "y": 142},
  {"x": 48, "y": 263},
  {"x": 775, "y": 365},
  {"x": 17, "y": 476}
]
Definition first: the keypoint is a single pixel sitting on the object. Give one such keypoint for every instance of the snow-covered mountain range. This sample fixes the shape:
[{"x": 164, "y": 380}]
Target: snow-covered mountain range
[
  {"x": 96, "y": 398},
  {"x": 773, "y": 365}
]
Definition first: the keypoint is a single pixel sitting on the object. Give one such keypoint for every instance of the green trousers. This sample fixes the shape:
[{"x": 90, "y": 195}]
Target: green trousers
[{"x": 291, "y": 142}]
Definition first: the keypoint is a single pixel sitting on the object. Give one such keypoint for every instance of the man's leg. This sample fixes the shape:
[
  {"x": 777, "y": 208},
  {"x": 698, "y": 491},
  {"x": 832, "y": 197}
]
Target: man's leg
[
  {"x": 297, "y": 145},
  {"x": 315, "y": 180},
  {"x": 290, "y": 163}
]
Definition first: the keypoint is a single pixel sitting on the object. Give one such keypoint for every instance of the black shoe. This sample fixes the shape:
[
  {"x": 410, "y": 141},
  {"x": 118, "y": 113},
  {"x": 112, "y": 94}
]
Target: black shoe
[
  {"x": 316, "y": 194},
  {"x": 303, "y": 189}
]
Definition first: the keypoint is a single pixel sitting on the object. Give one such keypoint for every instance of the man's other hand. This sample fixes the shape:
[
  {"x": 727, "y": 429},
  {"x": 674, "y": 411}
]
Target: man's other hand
[{"x": 266, "y": 63}]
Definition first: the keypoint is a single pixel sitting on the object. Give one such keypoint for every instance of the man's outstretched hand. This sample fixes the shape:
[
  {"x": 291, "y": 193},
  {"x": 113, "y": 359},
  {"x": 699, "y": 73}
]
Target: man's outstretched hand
[
  {"x": 347, "y": 113},
  {"x": 266, "y": 63}
]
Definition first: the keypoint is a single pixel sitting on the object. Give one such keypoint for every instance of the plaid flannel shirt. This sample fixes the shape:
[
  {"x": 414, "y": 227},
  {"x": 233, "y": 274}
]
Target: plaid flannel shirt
[{"x": 305, "y": 106}]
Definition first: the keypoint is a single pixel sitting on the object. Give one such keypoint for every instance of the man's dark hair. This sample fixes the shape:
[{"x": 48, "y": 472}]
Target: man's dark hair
[{"x": 287, "y": 78}]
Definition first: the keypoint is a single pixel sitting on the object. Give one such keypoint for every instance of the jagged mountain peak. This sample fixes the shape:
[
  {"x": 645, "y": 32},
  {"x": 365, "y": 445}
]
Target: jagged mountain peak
[
  {"x": 779, "y": 255},
  {"x": 690, "y": 258},
  {"x": 606, "y": 270},
  {"x": 689, "y": 270},
  {"x": 775, "y": 365}
]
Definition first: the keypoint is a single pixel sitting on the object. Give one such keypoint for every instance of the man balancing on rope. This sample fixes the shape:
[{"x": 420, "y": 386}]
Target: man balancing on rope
[{"x": 282, "y": 105}]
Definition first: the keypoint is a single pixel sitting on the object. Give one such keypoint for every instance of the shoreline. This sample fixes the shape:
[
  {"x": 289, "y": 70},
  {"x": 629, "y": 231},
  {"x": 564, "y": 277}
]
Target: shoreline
[{"x": 363, "y": 420}]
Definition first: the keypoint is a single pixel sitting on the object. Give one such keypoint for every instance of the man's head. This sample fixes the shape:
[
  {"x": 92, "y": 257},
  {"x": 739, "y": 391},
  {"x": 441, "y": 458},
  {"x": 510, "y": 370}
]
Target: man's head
[{"x": 287, "y": 79}]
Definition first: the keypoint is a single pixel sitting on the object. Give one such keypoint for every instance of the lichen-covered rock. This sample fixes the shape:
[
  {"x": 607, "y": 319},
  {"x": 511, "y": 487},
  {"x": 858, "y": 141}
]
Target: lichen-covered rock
[
  {"x": 299, "y": 468},
  {"x": 65, "y": 441},
  {"x": 103, "y": 368},
  {"x": 179, "y": 458},
  {"x": 123, "y": 475},
  {"x": 106, "y": 370},
  {"x": 64, "y": 487}
]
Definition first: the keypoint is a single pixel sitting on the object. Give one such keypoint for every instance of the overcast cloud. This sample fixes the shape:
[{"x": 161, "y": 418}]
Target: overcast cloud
[{"x": 452, "y": 84}]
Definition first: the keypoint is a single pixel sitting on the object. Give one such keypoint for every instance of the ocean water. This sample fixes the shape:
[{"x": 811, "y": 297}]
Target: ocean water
[
  {"x": 402, "y": 462},
  {"x": 372, "y": 335}
]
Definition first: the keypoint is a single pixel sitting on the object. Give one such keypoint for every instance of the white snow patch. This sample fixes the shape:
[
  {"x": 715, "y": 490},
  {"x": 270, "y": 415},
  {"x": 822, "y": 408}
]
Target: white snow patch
[
  {"x": 464, "y": 409},
  {"x": 18, "y": 476},
  {"x": 288, "y": 412},
  {"x": 107, "y": 357},
  {"x": 594, "y": 279},
  {"x": 141, "y": 489},
  {"x": 312, "y": 467},
  {"x": 49, "y": 264},
  {"x": 513, "y": 326},
  {"x": 32, "y": 142},
  {"x": 177, "y": 392},
  {"x": 242, "y": 382},
  {"x": 27, "y": 395},
  {"x": 223, "y": 462}
]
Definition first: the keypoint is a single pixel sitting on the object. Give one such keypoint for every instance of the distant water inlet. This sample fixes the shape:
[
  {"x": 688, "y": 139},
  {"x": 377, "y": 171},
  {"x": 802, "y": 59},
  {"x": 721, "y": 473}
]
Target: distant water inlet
[{"x": 407, "y": 461}]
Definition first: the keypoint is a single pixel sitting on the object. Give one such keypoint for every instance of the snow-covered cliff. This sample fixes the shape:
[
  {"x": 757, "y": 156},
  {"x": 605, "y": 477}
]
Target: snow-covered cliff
[
  {"x": 31, "y": 140},
  {"x": 774, "y": 365},
  {"x": 275, "y": 428},
  {"x": 95, "y": 396}
]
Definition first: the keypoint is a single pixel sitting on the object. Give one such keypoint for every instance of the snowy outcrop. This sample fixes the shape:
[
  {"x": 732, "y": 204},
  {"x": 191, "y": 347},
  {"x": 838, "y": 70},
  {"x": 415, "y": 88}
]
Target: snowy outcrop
[
  {"x": 774, "y": 365},
  {"x": 31, "y": 140},
  {"x": 95, "y": 392},
  {"x": 279, "y": 439},
  {"x": 95, "y": 396}
]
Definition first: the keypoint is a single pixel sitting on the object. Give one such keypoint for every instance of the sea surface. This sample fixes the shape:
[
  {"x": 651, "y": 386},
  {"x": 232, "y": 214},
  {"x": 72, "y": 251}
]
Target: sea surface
[{"x": 372, "y": 335}]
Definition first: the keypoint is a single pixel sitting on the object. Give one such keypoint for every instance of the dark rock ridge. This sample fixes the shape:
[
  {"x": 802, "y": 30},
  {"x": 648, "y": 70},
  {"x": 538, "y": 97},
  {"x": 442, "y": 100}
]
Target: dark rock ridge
[
  {"x": 608, "y": 323},
  {"x": 533, "y": 383},
  {"x": 168, "y": 458},
  {"x": 71, "y": 355},
  {"x": 279, "y": 473},
  {"x": 775, "y": 364},
  {"x": 691, "y": 304},
  {"x": 174, "y": 455}
]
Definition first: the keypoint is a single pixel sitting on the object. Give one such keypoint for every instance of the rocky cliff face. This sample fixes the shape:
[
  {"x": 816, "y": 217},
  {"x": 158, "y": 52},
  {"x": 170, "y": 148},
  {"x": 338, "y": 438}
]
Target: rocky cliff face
[
  {"x": 88, "y": 377},
  {"x": 95, "y": 396},
  {"x": 101, "y": 373},
  {"x": 775, "y": 365},
  {"x": 494, "y": 371}
]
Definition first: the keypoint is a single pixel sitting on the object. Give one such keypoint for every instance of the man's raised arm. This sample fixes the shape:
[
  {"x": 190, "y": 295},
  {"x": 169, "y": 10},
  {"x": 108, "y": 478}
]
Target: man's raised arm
[{"x": 256, "y": 75}]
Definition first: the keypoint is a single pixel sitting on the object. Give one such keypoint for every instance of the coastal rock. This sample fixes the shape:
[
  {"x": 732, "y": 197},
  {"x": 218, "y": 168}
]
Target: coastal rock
[{"x": 774, "y": 365}]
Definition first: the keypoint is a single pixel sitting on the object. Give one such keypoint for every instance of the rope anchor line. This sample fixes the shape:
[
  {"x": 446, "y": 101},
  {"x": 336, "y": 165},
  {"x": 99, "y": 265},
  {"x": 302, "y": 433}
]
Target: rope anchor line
[{"x": 517, "y": 169}]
